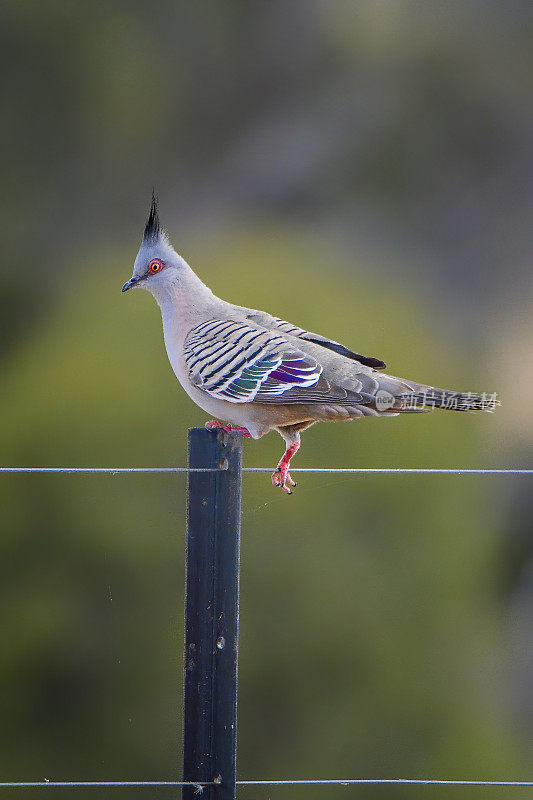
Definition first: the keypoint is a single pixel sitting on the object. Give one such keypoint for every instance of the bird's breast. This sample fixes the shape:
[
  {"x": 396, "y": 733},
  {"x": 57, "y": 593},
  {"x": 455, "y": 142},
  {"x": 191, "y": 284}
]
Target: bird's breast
[{"x": 174, "y": 343}]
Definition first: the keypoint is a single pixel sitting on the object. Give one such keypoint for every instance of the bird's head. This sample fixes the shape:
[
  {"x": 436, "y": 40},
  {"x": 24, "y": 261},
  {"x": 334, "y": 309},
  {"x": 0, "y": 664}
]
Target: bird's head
[{"x": 157, "y": 266}]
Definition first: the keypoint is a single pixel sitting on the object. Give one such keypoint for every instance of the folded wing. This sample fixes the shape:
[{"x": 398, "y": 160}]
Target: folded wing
[{"x": 241, "y": 363}]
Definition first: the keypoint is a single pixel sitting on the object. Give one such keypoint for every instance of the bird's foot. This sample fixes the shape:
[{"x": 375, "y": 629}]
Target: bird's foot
[
  {"x": 281, "y": 478},
  {"x": 214, "y": 423}
]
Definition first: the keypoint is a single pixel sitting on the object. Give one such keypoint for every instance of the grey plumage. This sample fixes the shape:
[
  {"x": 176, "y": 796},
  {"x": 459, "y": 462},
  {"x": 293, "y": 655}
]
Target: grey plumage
[{"x": 259, "y": 372}]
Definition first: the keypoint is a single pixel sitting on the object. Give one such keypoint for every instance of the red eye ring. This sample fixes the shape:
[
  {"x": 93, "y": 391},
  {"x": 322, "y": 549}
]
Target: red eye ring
[{"x": 156, "y": 265}]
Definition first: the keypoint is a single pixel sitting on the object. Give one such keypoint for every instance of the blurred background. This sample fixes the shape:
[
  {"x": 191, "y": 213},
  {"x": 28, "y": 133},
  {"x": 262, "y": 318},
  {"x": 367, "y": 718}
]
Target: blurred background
[{"x": 363, "y": 170}]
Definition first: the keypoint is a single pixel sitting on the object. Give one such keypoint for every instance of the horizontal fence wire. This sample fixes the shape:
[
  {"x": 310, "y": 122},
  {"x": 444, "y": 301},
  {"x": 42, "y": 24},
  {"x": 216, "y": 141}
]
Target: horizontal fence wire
[
  {"x": 299, "y": 782},
  {"x": 110, "y": 470},
  {"x": 309, "y": 470},
  {"x": 398, "y": 471},
  {"x": 97, "y": 784},
  {"x": 381, "y": 781}
]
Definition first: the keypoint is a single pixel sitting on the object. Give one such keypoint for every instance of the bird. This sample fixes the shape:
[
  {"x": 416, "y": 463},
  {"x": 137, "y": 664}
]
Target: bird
[{"x": 256, "y": 373}]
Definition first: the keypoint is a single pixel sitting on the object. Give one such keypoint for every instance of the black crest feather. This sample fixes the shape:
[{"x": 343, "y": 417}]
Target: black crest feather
[{"x": 152, "y": 229}]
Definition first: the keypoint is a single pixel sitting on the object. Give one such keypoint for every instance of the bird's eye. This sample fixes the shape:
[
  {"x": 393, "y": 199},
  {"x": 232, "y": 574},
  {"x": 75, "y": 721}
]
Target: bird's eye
[{"x": 155, "y": 266}]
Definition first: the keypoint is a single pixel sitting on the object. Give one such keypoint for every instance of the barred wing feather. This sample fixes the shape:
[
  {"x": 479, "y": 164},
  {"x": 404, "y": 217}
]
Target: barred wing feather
[
  {"x": 273, "y": 323},
  {"x": 239, "y": 363}
]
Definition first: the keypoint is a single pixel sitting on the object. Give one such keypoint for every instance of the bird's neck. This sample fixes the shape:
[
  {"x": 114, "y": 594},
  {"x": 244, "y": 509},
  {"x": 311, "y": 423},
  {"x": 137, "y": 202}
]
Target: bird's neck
[{"x": 185, "y": 302}]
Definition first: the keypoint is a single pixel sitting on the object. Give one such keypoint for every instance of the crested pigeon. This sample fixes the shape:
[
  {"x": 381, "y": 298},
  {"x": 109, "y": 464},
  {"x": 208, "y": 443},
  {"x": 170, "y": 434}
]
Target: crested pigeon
[{"x": 259, "y": 373}]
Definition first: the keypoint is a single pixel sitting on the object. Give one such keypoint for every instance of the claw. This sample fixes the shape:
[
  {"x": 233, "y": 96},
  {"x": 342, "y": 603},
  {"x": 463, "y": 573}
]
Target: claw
[
  {"x": 281, "y": 477},
  {"x": 214, "y": 423}
]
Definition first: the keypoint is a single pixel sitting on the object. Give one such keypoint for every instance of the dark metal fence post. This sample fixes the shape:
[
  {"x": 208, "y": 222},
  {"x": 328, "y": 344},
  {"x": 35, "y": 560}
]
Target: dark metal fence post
[{"x": 212, "y": 612}]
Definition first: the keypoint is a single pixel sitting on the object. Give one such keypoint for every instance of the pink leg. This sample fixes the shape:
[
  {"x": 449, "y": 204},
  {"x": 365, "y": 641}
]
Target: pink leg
[
  {"x": 281, "y": 476},
  {"x": 213, "y": 423}
]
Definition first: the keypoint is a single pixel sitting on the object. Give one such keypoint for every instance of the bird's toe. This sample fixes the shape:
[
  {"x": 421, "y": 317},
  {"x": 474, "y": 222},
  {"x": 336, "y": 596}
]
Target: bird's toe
[{"x": 280, "y": 479}]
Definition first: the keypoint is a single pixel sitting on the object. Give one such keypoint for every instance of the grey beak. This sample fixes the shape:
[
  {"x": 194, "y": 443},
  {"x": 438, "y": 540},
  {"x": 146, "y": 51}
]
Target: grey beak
[{"x": 130, "y": 283}]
